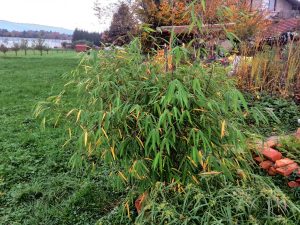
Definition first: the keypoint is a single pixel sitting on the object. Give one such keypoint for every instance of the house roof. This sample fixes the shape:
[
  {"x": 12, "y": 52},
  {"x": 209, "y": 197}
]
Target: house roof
[{"x": 282, "y": 26}]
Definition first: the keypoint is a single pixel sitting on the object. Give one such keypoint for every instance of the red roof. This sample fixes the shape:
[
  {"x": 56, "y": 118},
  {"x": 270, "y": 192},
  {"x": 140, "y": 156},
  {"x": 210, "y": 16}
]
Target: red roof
[{"x": 282, "y": 26}]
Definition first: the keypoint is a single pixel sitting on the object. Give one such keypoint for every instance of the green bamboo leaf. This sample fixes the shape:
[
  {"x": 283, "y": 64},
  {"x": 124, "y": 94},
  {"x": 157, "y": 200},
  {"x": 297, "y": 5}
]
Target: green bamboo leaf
[{"x": 156, "y": 160}]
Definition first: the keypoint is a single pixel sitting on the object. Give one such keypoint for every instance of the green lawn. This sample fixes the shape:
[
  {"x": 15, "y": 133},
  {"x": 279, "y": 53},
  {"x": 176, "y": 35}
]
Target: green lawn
[
  {"x": 35, "y": 53},
  {"x": 37, "y": 185}
]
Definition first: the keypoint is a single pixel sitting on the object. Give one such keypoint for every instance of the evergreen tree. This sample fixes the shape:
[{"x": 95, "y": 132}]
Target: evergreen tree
[{"x": 122, "y": 25}]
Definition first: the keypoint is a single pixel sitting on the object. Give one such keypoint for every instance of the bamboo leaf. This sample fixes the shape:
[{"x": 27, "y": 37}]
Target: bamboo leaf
[{"x": 223, "y": 129}]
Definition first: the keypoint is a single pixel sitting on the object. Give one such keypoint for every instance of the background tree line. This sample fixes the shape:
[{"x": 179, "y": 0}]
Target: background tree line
[
  {"x": 38, "y": 44},
  {"x": 93, "y": 38},
  {"x": 35, "y": 34}
]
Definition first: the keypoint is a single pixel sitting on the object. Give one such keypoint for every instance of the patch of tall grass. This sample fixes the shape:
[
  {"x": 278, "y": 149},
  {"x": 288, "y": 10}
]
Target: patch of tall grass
[
  {"x": 274, "y": 70},
  {"x": 210, "y": 203}
]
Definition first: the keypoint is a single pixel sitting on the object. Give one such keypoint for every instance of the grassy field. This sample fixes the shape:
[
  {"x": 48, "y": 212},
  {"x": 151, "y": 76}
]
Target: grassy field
[
  {"x": 37, "y": 185},
  {"x": 35, "y": 53}
]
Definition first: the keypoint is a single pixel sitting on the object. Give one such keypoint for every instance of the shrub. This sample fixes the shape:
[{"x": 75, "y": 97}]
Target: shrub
[{"x": 152, "y": 126}]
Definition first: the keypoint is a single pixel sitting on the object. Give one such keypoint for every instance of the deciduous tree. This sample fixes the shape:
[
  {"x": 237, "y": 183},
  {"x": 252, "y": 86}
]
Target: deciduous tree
[
  {"x": 3, "y": 49},
  {"x": 24, "y": 45},
  {"x": 40, "y": 45},
  {"x": 16, "y": 48}
]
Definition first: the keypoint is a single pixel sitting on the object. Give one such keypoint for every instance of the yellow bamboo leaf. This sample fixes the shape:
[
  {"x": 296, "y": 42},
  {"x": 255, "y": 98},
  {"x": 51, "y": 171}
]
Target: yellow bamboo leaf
[
  {"x": 70, "y": 112},
  {"x": 57, "y": 100},
  {"x": 134, "y": 116},
  {"x": 85, "y": 138},
  {"x": 195, "y": 179},
  {"x": 90, "y": 149},
  {"x": 104, "y": 132},
  {"x": 140, "y": 141},
  {"x": 181, "y": 190},
  {"x": 67, "y": 142},
  {"x": 103, "y": 117},
  {"x": 190, "y": 64},
  {"x": 120, "y": 133},
  {"x": 200, "y": 110},
  {"x": 205, "y": 164},
  {"x": 127, "y": 208},
  {"x": 192, "y": 161},
  {"x": 123, "y": 176},
  {"x": 185, "y": 138},
  {"x": 138, "y": 176},
  {"x": 112, "y": 149},
  {"x": 78, "y": 116},
  {"x": 132, "y": 167},
  {"x": 210, "y": 173},
  {"x": 223, "y": 129},
  {"x": 200, "y": 158}
]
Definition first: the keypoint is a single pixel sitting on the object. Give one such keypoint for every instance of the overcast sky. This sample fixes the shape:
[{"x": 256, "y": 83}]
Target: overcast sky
[{"x": 62, "y": 13}]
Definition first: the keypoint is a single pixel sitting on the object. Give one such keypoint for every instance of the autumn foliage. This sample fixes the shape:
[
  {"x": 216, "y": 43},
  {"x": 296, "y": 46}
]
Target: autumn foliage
[{"x": 175, "y": 12}]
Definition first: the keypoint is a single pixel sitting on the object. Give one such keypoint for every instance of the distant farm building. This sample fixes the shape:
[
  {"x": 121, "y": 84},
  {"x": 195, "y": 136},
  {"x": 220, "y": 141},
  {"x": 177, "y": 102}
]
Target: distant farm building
[{"x": 81, "y": 48}]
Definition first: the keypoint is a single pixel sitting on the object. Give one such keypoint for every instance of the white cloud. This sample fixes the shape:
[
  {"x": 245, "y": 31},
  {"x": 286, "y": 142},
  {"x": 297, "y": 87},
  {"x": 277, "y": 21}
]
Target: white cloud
[{"x": 62, "y": 13}]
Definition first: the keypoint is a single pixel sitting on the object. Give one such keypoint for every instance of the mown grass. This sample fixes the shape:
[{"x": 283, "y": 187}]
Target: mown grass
[
  {"x": 35, "y": 53},
  {"x": 37, "y": 185}
]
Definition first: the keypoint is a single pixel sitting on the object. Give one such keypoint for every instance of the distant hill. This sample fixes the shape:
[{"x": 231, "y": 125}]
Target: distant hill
[{"x": 12, "y": 26}]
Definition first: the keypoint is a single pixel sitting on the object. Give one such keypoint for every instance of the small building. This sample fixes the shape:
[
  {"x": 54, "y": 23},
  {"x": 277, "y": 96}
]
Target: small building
[
  {"x": 81, "y": 48},
  {"x": 278, "y": 8}
]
